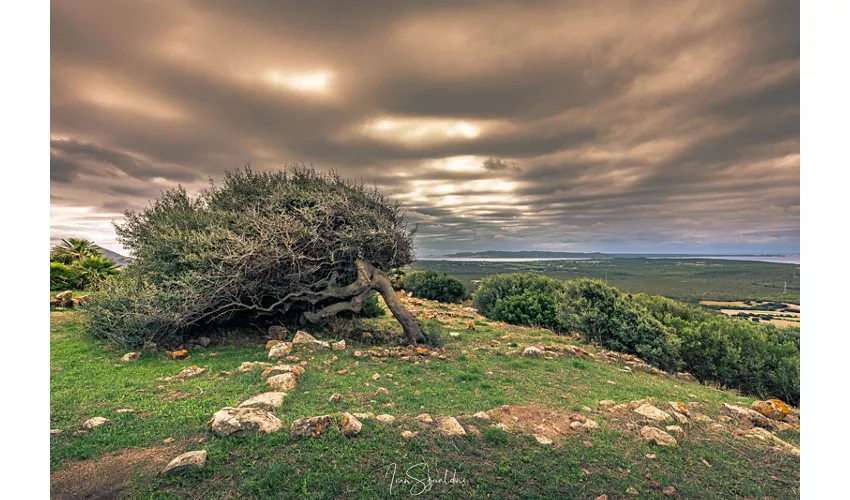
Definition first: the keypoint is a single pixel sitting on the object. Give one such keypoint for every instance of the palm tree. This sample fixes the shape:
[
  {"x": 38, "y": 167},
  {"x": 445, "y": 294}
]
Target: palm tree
[
  {"x": 95, "y": 268},
  {"x": 73, "y": 250}
]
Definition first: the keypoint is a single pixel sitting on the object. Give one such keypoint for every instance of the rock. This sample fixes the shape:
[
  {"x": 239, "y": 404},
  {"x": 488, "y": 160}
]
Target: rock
[
  {"x": 322, "y": 344},
  {"x": 621, "y": 409},
  {"x": 54, "y": 432},
  {"x": 94, "y": 422},
  {"x": 767, "y": 436},
  {"x": 285, "y": 382},
  {"x": 725, "y": 418},
  {"x": 772, "y": 408},
  {"x": 311, "y": 427},
  {"x": 188, "y": 460},
  {"x": 201, "y": 341},
  {"x": 651, "y": 412},
  {"x": 424, "y": 418},
  {"x": 268, "y": 401},
  {"x": 131, "y": 356},
  {"x": 631, "y": 491},
  {"x": 454, "y": 334},
  {"x": 700, "y": 418},
  {"x": 272, "y": 343},
  {"x": 335, "y": 397},
  {"x": 680, "y": 418},
  {"x": 449, "y": 426},
  {"x": 382, "y": 390},
  {"x": 679, "y": 407},
  {"x": 302, "y": 337},
  {"x": 364, "y": 416},
  {"x": 586, "y": 425},
  {"x": 125, "y": 410},
  {"x": 669, "y": 490},
  {"x": 243, "y": 421},
  {"x": 656, "y": 436},
  {"x": 675, "y": 430},
  {"x": 349, "y": 425},
  {"x": 748, "y": 415},
  {"x": 278, "y": 332},
  {"x": 601, "y": 497},
  {"x": 168, "y": 440},
  {"x": 84, "y": 299},
  {"x": 280, "y": 350},
  {"x": 189, "y": 372},
  {"x": 376, "y": 377},
  {"x": 62, "y": 299},
  {"x": 482, "y": 416},
  {"x": 387, "y": 419},
  {"x": 543, "y": 439},
  {"x": 281, "y": 369},
  {"x": 338, "y": 346},
  {"x": 685, "y": 376},
  {"x": 181, "y": 354},
  {"x": 606, "y": 403},
  {"x": 248, "y": 366},
  {"x": 409, "y": 434},
  {"x": 532, "y": 352}
]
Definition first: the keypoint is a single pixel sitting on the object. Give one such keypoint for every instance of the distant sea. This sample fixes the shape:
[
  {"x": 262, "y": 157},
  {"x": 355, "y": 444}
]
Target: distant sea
[{"x": 777, "y": 259}]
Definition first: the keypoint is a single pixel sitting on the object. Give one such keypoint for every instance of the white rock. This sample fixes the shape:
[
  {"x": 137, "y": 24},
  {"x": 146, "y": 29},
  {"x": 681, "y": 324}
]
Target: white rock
[
  {"x": 268, "y": 401},
  {"x": 350, "y": 426},
  {"x": 285, "y": 382},
  {"x": 449, "y": 426},
  {"x": 248, "y": 366},
  {"x": 94, "y": 422},
  {"x": 280, "y": 350},
  {"x": 454, "y": 334},
  {"x": 191, "y": 459},
  {"x": 543, "y": 439},
  {"x": 338, "y": 346},
  {"x": 656, "y": 436},
  {"x": 424, "y": 418},
  {"x": 532, "y": 351},
  {"x": 482, "y": 416},
  {"x": 651, "y": 412},
  {"x": 243, "y": 421},
  {"x": 302, "y": 337},
  {"x": 385, "y": 418}
]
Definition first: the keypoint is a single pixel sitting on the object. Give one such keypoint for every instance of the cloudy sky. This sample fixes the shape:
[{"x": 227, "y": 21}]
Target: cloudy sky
[{"x": 578, "y": 126}]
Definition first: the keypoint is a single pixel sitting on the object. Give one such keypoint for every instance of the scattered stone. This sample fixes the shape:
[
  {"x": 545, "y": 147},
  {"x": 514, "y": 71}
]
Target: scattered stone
[
  {"x": 291, "y": 359},
  {"x": 243, "y": 421},
  {"x": 168, "y": 440},
  {"x": 705, "y": 462},
  {"x": 376, "y": 377},
  {"x": 454, "y": 334},
  {"x": 181, "y": 354},
  {"x": 335, "y": 397},
  {"x": 532, "y": 352},
  {"x": 94, "y": 422},
  {"x": 62, "y": 299},
  {"x": 387, "y": 419},
  {"x": 188, "y": 460},
  {"x": 679, "y": 407},
  {"x": 268, "y": 401},
  {"x": 285, "y": 382},
  {"x": 631, "y": 491},
  {"x": 772, "y": 408},
  {"x": 765, "y": 435},
  {"x": 349, "y": 425},
  {"x": 365, "y": 416},
  {"x": 248, "y": 366},
  {"x": 675, "y": 430},
  {"x": 449, "y": 426},
  {"x": 586, "y": 425},
  {"x": 669, "y": 491},
  {"x": 280, "y": 350},
  {"x": 543, "y": 439},
  {"x": 278, "y": 332},
  {"x": 342, "y": 372},
  {"x": 620, "y": 409},
  {"x": 700, "y": 418},
  {"x": 656, "y": 436},
  {"x": 131, "y": 356},
  {"x": 382, "y": 390},
  {"x": 272, "y": 343},
  {"x": 601, "y": 497},
  {"x": 424, "y": 418},
  {"x": 189, "y": 372},
  {"x": 650, "y": 456},
  {"x": 409, "y": 434},
  {"x": 125, "y": 410},
  {"x": 751, "y": 416},
  {"x": 482, "y": 416},
  {"x": 54, "y": 432},
  {"x": 311, "y": 427},
  {"x": 302, "y": 337},
  {"x": 338, "y": 346},
  {"x": 651, "y": 412},
  {"x": 281, "y": 369},
  {"x": 685, "y": 376}
]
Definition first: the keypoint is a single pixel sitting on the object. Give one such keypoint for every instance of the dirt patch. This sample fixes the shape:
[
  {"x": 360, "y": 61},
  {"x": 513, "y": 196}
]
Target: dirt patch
[
  {"x": 554, "y": 424},
  {"x": 105, "y": 476}
]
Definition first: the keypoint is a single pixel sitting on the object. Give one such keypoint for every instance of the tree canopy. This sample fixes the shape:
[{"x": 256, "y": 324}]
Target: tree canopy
[{"x": 261, "y": 246}]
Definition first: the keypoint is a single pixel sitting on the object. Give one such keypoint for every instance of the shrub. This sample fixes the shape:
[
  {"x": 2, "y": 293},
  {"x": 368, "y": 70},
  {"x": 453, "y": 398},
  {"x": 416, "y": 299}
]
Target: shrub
[
  {"x": 434, "y": 286},
  {"x": 372, "y": 307},
  {"x": 94, "y": 269},
  {"x": 602, "y": 314},
  {"x": 63, "y": 276},
  {"x": 525, "y": 299}
]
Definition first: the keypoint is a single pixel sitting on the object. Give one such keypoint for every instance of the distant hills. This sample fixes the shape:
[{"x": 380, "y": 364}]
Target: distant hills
[
  {"x": 525, "y": 254},
  {"x": 117, "y": 258}
]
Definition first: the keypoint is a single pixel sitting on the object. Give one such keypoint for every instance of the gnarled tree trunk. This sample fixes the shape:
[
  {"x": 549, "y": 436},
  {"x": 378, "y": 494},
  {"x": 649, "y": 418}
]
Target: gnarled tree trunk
[{"x": 369, "y": 278}]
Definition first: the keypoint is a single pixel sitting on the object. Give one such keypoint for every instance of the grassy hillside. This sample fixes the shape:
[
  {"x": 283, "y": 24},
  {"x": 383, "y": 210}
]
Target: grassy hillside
[
  {"x": 687, "y": 280},
  {"x": 481, "y": 372}
]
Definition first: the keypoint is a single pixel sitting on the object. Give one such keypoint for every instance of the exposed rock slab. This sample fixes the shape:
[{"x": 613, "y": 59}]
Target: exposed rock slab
[
  {"x": 188, "y": 460},
  {"x": 268, "y": 401},
  {"x": 243, "y": 421}
]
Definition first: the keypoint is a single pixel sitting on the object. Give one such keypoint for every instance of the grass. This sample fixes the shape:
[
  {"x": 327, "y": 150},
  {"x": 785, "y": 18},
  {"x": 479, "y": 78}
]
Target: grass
[
  {"x": 87, "y": 380},
  {"x": 688, "y": 280}
]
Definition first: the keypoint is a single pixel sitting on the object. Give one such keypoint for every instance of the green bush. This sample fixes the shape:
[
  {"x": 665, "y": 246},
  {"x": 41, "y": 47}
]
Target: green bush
[
  {"x": 603, "y": 315},
  {"x": 63, "y": 276},
  {"x": 523, "y": 299},
  {"x": 434, "y": 286},
  {"x": 372, "y": 307}
]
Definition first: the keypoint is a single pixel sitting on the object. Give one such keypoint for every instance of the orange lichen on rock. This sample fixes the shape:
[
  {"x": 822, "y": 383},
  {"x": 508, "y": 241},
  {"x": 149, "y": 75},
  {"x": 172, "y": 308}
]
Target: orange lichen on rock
[
  {"x": 772, "y": 408},
  {"x": 181, "y": 354}
]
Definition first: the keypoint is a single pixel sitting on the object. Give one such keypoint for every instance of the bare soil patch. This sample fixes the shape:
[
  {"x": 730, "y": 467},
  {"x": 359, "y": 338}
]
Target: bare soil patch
[
  {"x": 105, "y": 476},
  {"x": 554, "y": 424}
]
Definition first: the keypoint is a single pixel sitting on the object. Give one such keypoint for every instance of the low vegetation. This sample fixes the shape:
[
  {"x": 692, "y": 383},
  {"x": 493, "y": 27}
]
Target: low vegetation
[
  {"x": 77, "y": 264},
  {"x": 433, "y": 286}
]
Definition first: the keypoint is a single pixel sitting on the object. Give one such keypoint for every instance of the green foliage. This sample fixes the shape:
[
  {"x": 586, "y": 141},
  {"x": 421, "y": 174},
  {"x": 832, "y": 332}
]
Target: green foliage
[
  {"x": 94, "y": 269},
  {"x": 523, "y": 299},
  {"x": 434, "y": 286},
  {"x": 73, "y": 250},
  {"x": 433, "y": 331},
  {"x": 603, "y": 315},
  {"x": 397, "y": 279},
  {"x": 372, "y": 307},
  {"x": 63, "y": 276}
]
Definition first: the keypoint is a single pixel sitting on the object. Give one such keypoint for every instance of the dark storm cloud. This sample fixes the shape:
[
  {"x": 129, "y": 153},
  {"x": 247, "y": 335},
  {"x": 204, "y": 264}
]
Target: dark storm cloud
[{"x": 550, "y": 125}]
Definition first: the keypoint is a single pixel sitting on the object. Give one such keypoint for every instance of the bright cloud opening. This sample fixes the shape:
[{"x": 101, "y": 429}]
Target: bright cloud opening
[{"x": 315, "y": 82}]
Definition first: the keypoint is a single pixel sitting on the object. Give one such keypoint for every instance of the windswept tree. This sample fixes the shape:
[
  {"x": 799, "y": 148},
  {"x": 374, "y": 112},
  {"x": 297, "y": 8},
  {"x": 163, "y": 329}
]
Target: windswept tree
[{"x": 260, "y": 247}]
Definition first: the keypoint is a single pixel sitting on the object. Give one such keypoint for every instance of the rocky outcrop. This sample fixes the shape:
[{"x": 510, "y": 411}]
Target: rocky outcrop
[
  {"x": 772, "y": 408},
  {"x": 243, "y": 421},
  {"x": 188, "y": 460},
  {"x": 653, "y": 413}
]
